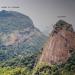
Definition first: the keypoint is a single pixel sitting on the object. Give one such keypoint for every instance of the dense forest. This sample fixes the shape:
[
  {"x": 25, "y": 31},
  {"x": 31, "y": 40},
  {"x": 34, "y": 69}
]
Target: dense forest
[{"x": 26, "y": 68}]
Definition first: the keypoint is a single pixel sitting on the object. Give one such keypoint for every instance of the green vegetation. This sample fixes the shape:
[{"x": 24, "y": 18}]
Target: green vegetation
[
  {"x": 45, "y": 69},
  {"x": 64, "y": 69},
  {"x": 14, "y": 71},
  {"x": 26, "y": 67}
]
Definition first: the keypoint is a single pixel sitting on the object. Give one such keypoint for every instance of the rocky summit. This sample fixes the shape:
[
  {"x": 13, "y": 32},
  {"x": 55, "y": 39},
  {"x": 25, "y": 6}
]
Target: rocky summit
[{"x": 60, "y": 45}]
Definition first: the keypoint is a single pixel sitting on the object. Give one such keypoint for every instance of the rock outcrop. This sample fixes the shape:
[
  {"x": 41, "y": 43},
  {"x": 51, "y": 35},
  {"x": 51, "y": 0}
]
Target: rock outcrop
[{"x": 60, "y": 45}]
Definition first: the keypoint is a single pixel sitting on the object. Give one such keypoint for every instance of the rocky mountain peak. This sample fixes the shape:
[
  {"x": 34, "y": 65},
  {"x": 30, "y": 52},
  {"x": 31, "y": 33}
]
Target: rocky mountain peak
[
  {"x": 62, "y": 25},
  {"x": 60, "y": 45}
]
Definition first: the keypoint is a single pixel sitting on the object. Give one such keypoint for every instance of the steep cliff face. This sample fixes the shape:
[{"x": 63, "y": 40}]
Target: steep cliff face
[{"x": 60, "y": 45}]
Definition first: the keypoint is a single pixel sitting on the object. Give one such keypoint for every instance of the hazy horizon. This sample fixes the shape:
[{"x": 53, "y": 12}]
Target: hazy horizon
[{"x": 43, "y": 12}]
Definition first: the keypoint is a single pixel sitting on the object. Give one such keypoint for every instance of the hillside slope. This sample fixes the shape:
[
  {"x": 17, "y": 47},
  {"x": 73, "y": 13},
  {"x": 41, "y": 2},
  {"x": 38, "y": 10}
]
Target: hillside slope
[{"x": 18, "y": 36}]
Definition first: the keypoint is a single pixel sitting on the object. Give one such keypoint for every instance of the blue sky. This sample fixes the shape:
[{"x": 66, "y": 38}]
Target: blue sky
[{"x": 43, "y": 12}]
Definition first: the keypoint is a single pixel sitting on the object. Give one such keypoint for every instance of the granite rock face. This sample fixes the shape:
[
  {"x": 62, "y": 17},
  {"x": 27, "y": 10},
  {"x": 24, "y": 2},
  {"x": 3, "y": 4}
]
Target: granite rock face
[{"x": 60, "y": 45}]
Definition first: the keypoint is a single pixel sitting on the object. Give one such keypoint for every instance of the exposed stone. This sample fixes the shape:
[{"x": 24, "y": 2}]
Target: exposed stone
[{"x": 60, "y": 45}]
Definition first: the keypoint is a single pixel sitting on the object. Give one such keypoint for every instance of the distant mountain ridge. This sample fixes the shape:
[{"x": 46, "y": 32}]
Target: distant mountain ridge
[
  {"x": 18, "y": 35},
  {"x": 12, "y": 20}
]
